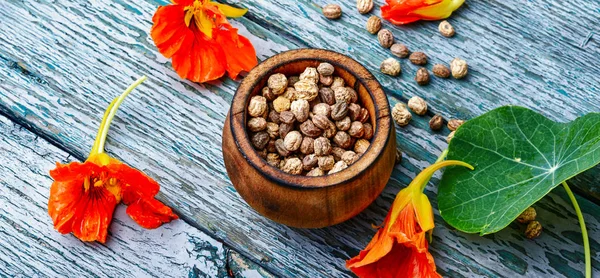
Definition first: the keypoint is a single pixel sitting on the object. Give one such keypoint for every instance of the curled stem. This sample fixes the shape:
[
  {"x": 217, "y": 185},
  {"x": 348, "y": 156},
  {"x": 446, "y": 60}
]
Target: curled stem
[
  {"x": 110, "y": 113},
  {"x": 584, "y": 234}
]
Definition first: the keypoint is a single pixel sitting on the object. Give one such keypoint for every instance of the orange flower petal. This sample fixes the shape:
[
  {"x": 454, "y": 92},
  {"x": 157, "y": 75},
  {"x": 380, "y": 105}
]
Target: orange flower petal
[
  {"x": 406, "y": 11},
  {"x": 239, "y": 52},
  {"x": 208, "y": 47},
  {"x": 398, "y": 249},
  {"x": 150, "y": 213},
  {"x": 63, "y": 201},
  {"x": 94, "y": 214}
]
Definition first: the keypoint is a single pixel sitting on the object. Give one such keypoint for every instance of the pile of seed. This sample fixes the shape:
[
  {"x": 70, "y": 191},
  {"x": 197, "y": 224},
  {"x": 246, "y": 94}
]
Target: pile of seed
[{"x": 310, "y": 124}]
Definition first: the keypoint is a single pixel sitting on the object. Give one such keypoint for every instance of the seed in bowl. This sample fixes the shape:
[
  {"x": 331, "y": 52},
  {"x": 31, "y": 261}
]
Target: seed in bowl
[{"x": 311, "y": 124}]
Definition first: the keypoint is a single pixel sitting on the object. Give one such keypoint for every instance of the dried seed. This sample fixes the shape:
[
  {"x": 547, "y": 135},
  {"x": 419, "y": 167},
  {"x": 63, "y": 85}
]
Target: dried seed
[
  {"x": 327, "y": 95},
  {"x": 417, "y": 105},
  {"x": 400, "y": 114},
  {"x": 306, "y": 89},
  {"x": 292, "y": 166},
  {"x": 533, "y": 230},
  {"x": 321, "y": 121},
  {"x": 322, "y": 109},
  {"x": 459, "y": 68},
  {"x": 436, "y": 122},
  {"x": 527, "y": 216},
  {"x": 277, "y": 83},
  {"x": 364, "y": 6},
  {"x": 454, "y": 124},
  {"x": 446, "y": 29},
  {"x": 337, "y": 153},
  {"x": 326, "y": 80},
  {"x": 399, "y": 50},
  {"x": 344, "y": 124},
  {"x": 342, "y": 139},
  {"x": 292, "y": 141},
  {"x": 368, "y": 131},
  {"x": 310, "y": 74},
  {"x": 337, "y": 82},
  {"x": 325, "y": 69},
  {"x": 339, "y": 111},
  {"x": 273, "y": 159},
  {"x": 307, "y": 146},
  {"x": 418, "y": 58},
  {"x": 284, "y": 129},
  {"x": 356, "y": 130},
  {"x": 257, "y": 124},
  {"x": 300, "y": 108},
  {"x": 326, "y": 162},
  {"x": 390, "y": 66},
  {"x": 322, "y": 146},
  {"x": 441, "y": 71},
  {"x": 268, "y": 94},
  {"x": 422, "y": 76},
  {"x": 308, "y": 128},
  {"x": 450, "y": 137},
  {"x": 260, "y": 140},
  {"x": 309, "y": 162},
  {"x": 373, "y": 24},
  {"x": 281, "y": 149},
  {"x": 339, "y": 166},
  {"x": 257, "y": 106},
  {"x": 281, "y": 104},
  {"x": 361, "y": 146},
  {"x": 385, "y": 37},
  {"x": 316, "y": 172},
  {"x": 273, "y": 130},
  {"x": 350, "y": 157},
  {"x": 332, "y": 11}
]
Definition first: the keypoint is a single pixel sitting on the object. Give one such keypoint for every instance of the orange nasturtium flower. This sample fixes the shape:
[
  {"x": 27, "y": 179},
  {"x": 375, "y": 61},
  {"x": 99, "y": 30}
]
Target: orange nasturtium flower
[
  {"x": 200, "y": 40},
  {"x": 83, "y": 196},
  {"x": 400, "y": 247},
  {"x": 406, "y": 11}
]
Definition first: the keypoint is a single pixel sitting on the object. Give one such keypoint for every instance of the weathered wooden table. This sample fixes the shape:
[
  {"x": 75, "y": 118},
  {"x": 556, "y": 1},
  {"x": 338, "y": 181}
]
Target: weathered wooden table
[{"x": 61, "y": 63}]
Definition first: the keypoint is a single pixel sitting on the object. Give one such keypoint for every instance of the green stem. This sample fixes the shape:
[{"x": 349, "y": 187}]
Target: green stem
[
  {"x": 439, "y": 159},
  {"x": 586, "y": 242},
  {"x": 110, "y": 113}
]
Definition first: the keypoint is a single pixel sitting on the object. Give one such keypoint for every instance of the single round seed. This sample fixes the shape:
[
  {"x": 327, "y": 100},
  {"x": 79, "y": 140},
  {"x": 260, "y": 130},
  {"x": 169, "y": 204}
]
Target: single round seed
[
  {"x": 441, "y": 71},
  {"x": 390, "y": 66},
  {"x": 373, "y": 24},
  {"x": 418, "y": 58},
  {"x": 385, "y": 37},
  {"x": 417, "y": 105},
  {"x": 436, "y": 123},
  {"x": 446, "y": 29},
  {"x": 400, "y": 50},
  {"x": 332, "y": 11},
  {"x": 364, "y": 6},
  {"x": 422, "y": 76}
]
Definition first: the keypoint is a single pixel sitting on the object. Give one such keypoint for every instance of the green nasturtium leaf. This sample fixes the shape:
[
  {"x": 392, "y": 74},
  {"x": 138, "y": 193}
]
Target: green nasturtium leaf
[{"x": 519, "y": 156}]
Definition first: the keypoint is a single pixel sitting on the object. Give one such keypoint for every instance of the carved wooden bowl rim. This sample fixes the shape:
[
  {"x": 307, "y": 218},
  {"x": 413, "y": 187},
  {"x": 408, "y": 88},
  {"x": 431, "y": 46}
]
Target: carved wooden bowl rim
[{"x": 264, "y": 70}]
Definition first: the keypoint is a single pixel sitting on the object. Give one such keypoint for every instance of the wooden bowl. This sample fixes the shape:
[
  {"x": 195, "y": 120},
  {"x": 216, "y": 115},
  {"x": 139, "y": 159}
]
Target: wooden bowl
[{"x": 300, "y": 201}]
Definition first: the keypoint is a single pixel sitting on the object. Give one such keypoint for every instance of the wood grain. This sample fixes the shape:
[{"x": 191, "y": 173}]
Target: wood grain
[
  {"x": 30, "y": 247},
  {"x": 66, "y": 61}
]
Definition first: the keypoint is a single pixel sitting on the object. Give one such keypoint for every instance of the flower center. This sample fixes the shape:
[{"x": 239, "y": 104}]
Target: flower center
[
  {"x": 199, "y": 12},
  {"x": 103, "y": 180}
]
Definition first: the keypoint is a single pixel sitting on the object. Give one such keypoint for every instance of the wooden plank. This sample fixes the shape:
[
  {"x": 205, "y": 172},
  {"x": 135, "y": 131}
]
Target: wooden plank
[
  {"x": 29, "y": 246},
  {"x": 170, "y": 129}
]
